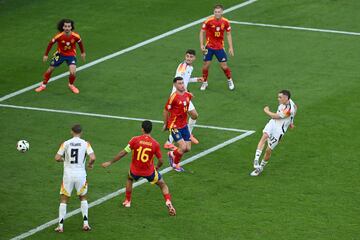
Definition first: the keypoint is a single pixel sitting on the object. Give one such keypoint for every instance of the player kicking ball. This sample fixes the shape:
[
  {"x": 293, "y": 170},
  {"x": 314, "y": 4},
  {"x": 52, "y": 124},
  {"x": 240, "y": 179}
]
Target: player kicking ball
[
  {"x": 66, "y": 41},
  {"x": 185, "y": 70},
  {"x": 73, "y": 153},
  {"x": 143, "y": 149},
  {"x": 175, "y": 120},
  {"x": 214, "y": 27},
  {"x": 275, "y": 129}
]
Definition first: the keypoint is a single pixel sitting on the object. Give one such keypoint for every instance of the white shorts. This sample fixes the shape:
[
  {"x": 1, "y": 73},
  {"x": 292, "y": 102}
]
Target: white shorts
[
  {"x": 69, "y": 182},
  {"x": 275, "y": 134}
]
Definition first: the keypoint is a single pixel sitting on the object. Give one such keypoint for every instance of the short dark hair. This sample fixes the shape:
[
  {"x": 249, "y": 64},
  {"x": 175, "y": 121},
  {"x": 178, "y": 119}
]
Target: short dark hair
[
  {"x": 191, "y": 52},
  {"x": 177, "y": 79},
  {"x": 219, "y": 6},
  {"x": 286, "y": 93},
  {"x": 147, "y": 126},
  {"x": 76, "y": 128},
  {"x": 60, "y": 24}
]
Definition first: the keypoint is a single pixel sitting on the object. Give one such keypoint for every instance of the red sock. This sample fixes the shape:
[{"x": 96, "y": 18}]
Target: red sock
[
  {"x": 167, "y": 197},
  {"x": 227, "y": 73},
  {"x": 46, "y": 77},
  {"x": 205, "y": 73},
  {"x": 72, "y": 78},
  {"x": 128, "y": 195},
  {"x": 177, "y": 156}
]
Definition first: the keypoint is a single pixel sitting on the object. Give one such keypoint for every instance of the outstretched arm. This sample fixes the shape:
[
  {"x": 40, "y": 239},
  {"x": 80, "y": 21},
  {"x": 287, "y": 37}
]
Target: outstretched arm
[
  {"x": 118, "y": 156},
  {"x": 271, "y": 114}
]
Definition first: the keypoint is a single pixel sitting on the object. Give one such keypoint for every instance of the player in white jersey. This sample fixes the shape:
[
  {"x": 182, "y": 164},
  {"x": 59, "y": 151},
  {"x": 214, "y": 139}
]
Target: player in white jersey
[
  {"x": 73, "y": 153},
  {"x": 185, "y": 70},
  {"x": 275, "y": 129}
]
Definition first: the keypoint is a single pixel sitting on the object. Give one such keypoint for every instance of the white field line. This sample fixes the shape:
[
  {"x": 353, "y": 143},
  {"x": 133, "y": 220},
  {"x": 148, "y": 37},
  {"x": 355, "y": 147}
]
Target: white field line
[
  {"x": 142, "y": 181},
  {"x": 296, "y": 28},
  {"x": 110, "y": 56},
  {"x": 110, "y": 116}
]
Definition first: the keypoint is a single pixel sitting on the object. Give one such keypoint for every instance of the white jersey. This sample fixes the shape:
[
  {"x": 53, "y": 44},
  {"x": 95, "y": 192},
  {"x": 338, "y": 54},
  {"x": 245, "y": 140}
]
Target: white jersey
[
  {"x": 184, "y": 70},
  {"x": 74, "y": 152},
  {"x": 287, "y": 114}
]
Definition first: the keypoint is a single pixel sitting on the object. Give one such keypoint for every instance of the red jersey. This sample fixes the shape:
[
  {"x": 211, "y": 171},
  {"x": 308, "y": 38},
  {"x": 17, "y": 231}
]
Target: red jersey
[
  {"x": 178, "y": 106},
  {"x": 215, "y": 32},
  {"x": 66, "y": 44},
  {"x": 144, "y": 148}
]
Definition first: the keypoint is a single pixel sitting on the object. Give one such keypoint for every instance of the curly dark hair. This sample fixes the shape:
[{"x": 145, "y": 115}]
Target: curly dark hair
[{"x": 65, "y": 20}]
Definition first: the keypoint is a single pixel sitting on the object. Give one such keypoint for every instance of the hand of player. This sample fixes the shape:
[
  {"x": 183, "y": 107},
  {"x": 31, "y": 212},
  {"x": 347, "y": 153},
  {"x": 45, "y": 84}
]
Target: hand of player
[
  {"x": 292, "y": 126},
  {"x": 231, "y": 52},
  {"x": 203, "y": 49},
  {"x": 105, "y": 164},
  {"x": 90, "y": 166},
  {"x": 45, "y": 58},
  {"x": 200, "y": 79},
  {"x": 266, "y": 109},
  {"x": 83, "y": 55}
]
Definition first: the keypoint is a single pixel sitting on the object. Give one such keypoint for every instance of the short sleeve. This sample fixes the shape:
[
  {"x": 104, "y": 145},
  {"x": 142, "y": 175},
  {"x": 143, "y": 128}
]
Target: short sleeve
[
  {"x": 89, "y": 149},
  {"x": 158, "y": 151},
  {"x": 61, "y": 150},
  {"x": 227, "y": 26},
  {"x": 204, "y": 25},
  {"x": 181, "y": 69}
]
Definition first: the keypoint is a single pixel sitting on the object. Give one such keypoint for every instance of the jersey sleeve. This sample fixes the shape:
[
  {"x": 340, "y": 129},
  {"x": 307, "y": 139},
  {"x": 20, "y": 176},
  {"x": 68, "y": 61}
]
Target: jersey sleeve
[
  {"x": 169, "y": 102},
  {"x": 181, "y": 69},
  {"x": 158, "y": 151},
  {"x": 285, "y": 113},
  {"x": 130, "y": 145},
  {"x": 227, "y": 26},
  {"x": 61, "y": 150},
  {"x": 205, "y": 25},
  {"x": 89, "y": 149}
]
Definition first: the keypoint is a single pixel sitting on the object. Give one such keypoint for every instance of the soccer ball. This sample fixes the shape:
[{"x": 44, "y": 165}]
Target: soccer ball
[{"x": 23, "y": 146}]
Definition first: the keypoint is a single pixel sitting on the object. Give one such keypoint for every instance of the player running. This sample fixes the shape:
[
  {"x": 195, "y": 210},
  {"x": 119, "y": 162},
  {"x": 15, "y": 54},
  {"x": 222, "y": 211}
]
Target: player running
[
  {"x": 185, "y": 70},
  {"x": 214, "y": 27},
  {"x": 144, "y": 148},
  {"x": 275, "y": 129},
  {"x": 73, "y": 153},
  {"x": 175, "y": 120},
  {"x": 66, "y": 41}
]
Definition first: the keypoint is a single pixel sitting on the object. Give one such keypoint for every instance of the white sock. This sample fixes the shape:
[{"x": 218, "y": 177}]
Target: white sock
[
  {"x": 191, "y": 124},
  {"x": 263, "y": 163},
  {"x": 170, "y": 139},
  {"x": 62, "y": 213},
  {"x": 257, "y": 154},
  {"x": 84, "y": 210}
]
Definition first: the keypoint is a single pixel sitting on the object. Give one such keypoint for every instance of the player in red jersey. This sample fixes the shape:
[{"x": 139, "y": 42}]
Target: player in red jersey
[
  {"x": 66, "y": 41},
  {"x": 175, "y": 120},
  {"x": 215, "y": 27},
  {"x": 144, "y": 148}
]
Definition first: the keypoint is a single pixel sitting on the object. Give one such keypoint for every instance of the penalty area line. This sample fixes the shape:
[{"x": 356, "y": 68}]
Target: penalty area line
[
  {"x": 139, "y": 183},
  {"x": 111, "y": 116}
]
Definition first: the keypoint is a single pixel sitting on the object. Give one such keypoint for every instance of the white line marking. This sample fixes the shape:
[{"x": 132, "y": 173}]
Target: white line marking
[
  {"x": 296, "y": 28},
  {"x": 122, "y": 190},
  {"x": 141, "y": 44},
  {"x": 111, "y": 116}
]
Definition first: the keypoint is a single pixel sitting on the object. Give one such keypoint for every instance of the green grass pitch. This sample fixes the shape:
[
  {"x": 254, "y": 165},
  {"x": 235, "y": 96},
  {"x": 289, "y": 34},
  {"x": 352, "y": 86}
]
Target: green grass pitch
[{"x": 310, "y": 189}]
